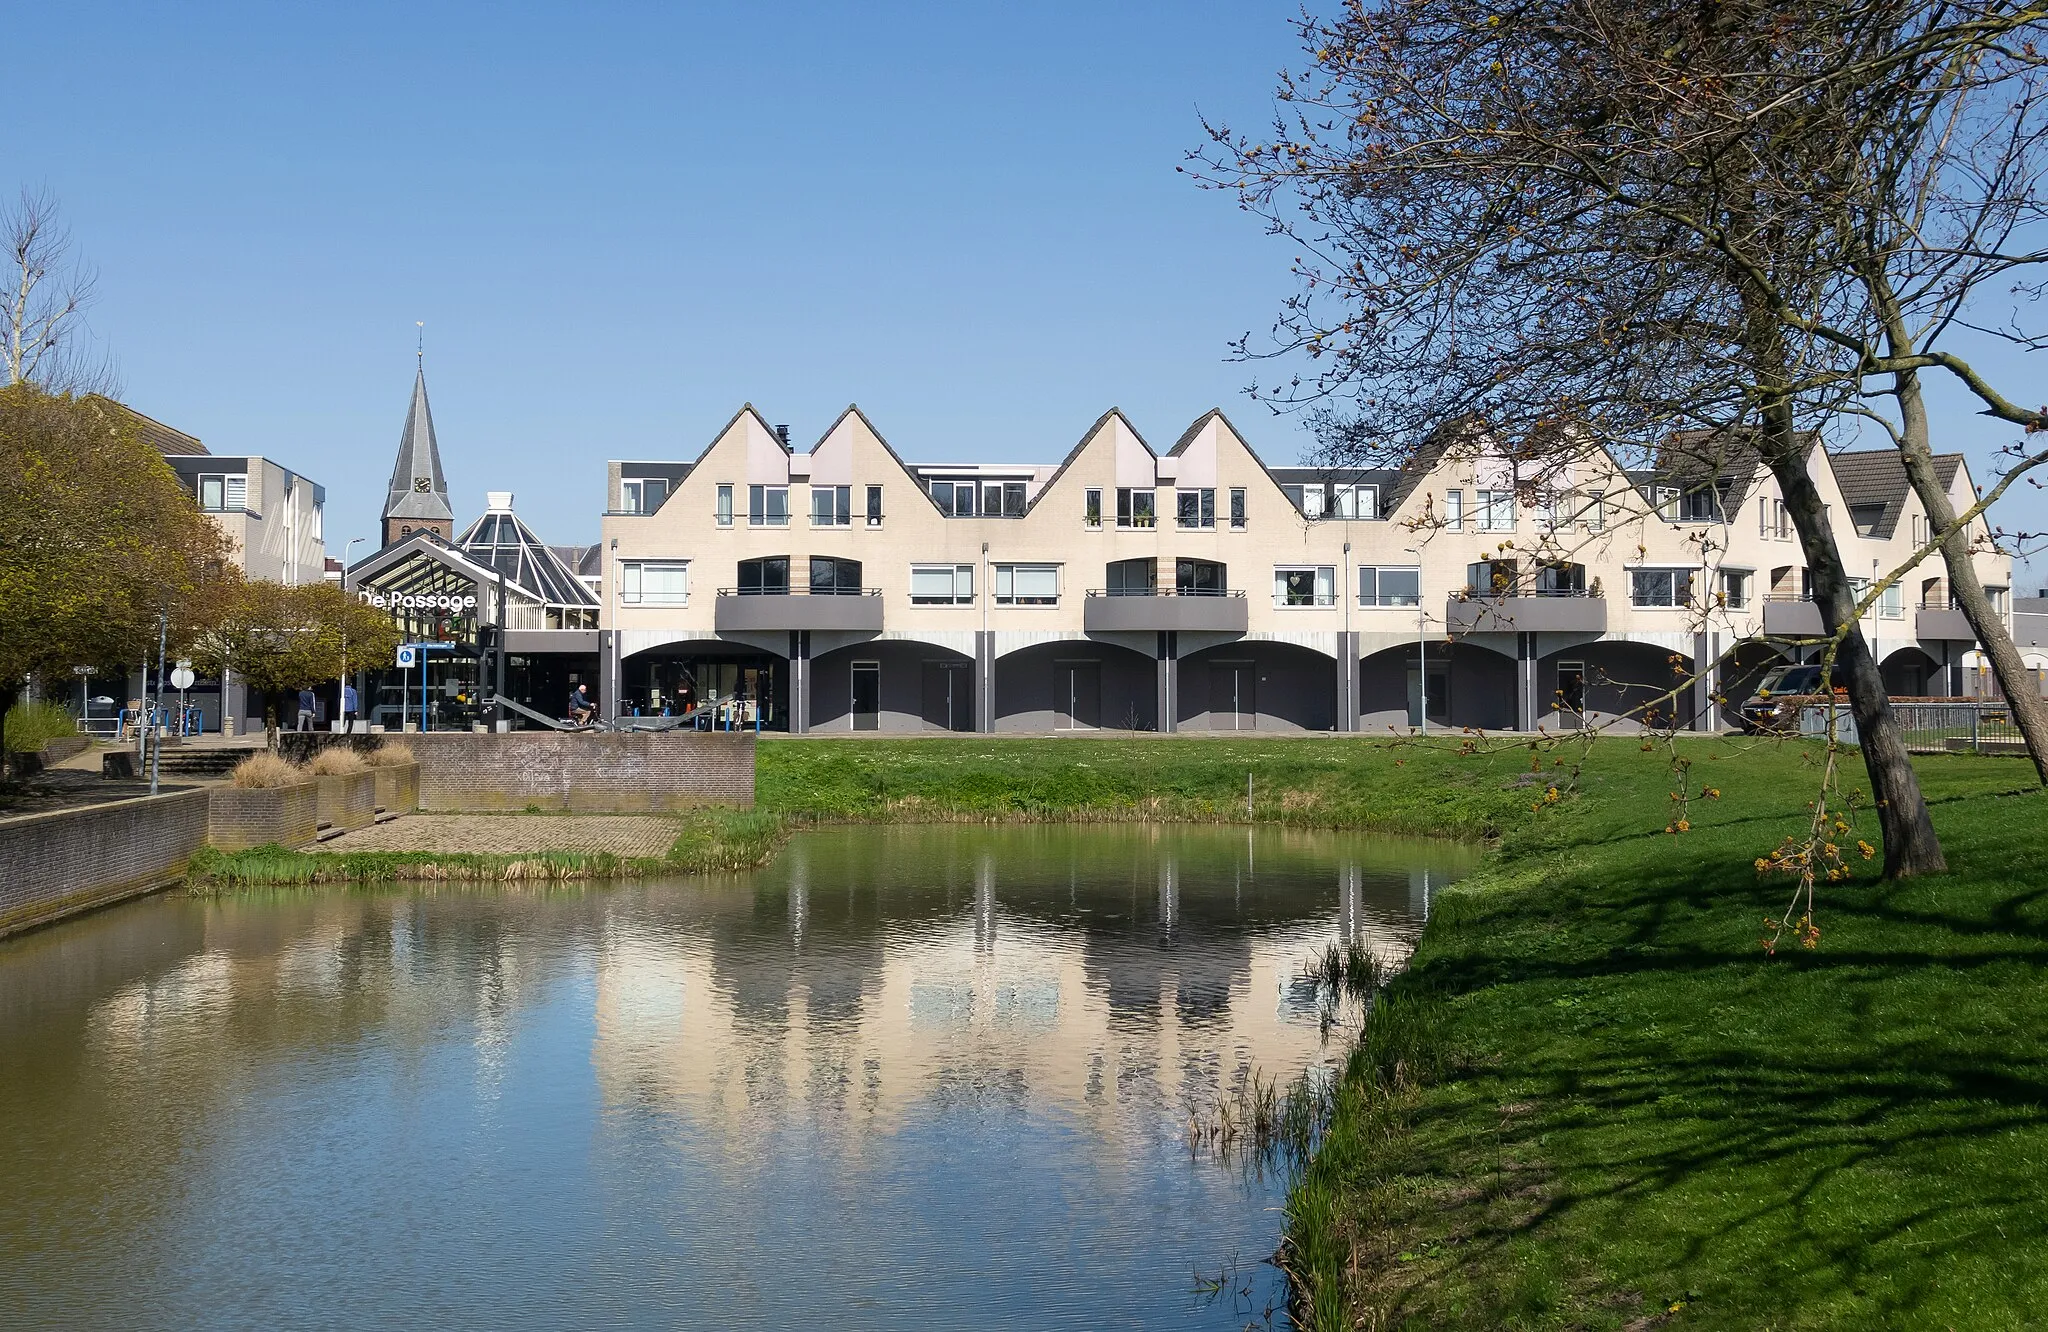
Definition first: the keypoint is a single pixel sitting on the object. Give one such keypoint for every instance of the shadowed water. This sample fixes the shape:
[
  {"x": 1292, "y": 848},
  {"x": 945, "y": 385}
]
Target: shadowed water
[{"x": 904, "y": 1078}]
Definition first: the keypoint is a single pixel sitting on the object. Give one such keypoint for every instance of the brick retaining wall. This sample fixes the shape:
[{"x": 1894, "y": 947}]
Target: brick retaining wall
[
  {"x": 243, "y": 816},
  {"x": 348, "y": 800},
  {"x": 56, "y": 865},
  {"x": 623, "y": 773}
]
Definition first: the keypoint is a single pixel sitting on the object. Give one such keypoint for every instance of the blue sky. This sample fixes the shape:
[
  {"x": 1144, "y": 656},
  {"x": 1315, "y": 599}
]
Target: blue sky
[{"x": 620, "y": 222}]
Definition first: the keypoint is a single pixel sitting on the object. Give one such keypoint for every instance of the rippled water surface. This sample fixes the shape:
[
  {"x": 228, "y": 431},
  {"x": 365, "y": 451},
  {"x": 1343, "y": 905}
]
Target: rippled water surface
[{"x": 905, "y": 1078}]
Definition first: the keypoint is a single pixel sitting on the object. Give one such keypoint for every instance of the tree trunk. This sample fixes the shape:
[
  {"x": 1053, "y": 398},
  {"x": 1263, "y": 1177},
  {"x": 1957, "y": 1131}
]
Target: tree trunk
[
  {"x": 2014, "y": 680},
  {"x": 1910, "y": 845}
]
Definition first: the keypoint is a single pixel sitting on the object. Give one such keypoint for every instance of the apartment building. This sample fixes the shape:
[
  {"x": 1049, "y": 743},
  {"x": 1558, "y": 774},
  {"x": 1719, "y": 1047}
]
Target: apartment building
[{"x": 845, "y": 588}]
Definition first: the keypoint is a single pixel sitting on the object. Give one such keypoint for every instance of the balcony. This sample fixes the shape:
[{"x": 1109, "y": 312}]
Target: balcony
[
  {"x": 1935, "y": 622},
  {"x": 1566, "y": 614},
  {"x": 1788, "y": 616},
  {"x": 1163, "y": 609},
  {"x": 750, "y": 611}
]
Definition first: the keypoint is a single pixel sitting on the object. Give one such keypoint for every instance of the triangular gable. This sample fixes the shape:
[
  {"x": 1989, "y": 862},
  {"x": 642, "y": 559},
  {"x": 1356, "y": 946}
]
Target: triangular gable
[
  {"x": 1087, "y": 441},
  {"x": 836, "y": 437}
]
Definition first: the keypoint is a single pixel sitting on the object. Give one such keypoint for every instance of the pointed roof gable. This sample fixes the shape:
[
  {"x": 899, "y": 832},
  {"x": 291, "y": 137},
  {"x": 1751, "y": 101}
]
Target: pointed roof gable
[{"x": 419, "y": 459}]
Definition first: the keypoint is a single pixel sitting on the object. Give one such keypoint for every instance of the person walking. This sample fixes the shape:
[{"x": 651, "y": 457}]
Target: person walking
[
  {"x": 305, "y": 709},
  {"x": 348, "y": 707}
]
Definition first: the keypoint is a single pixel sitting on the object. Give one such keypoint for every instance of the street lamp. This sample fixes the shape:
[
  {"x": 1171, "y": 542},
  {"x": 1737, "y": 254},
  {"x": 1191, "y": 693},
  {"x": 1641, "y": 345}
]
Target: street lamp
[
  {"x": 1421, "y": 646},
  {"x": 341, "y": 694}
]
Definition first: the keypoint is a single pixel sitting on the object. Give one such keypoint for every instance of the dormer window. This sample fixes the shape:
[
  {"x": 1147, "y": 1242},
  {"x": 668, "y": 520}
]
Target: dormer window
[
  {"x": 642, "y": 494},
  {"x": 1134, "y": 508},
  {"x": 224, "y": 493}
]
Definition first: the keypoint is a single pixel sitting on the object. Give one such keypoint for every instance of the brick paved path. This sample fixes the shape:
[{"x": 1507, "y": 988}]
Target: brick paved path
[{"x": 513, "y": 834}]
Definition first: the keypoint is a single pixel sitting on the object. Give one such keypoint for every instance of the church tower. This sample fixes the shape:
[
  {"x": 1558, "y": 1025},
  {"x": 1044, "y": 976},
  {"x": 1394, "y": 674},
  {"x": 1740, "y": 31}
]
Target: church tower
[{"x": 418, "y": 499}]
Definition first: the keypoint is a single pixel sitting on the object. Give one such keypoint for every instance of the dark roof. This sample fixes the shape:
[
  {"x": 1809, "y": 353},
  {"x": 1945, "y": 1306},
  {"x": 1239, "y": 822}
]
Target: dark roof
[
  {"x": 583, "y": 561},
  {"x": 164, "y": 439},
  {"x": 419, "y": 459},
  {"x": 501, "y": 542},
  {"x": 1876, "y": 479},
  {"x": 1694, "y": 459}
]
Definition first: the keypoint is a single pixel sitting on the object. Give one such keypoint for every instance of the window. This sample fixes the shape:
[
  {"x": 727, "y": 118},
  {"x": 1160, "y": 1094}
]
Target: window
[
  {"x": 1134, "y": 507},
  {"x": 1454, "y": 510},
  {"x": 763, "y": 577},
  {"x": 655, "y": 582},
  {"x": 1865, "y": 518},
  {"x": 1358, "y": 501},
  {"x": 768, "y": 506},
  {"x": 1698, "y": 506},
  {"x": 1001, "y": 499},
  {"x": 954, "y": 498},
  {"x": 642, "y": 495},
  {"x": 1132, "y": 578},
  {"x": 1491, "y": 578},
  {"x": 1309, "y": 499},
  {"x": 1763, "y": 516},
  {"x": 224, "y": 494},
  {"x": 1237, "y": 509},
  {"x": 1091, "y": 507},
  {"x": 1028, "y": 584},
  {"x": 831, "y": 576},
  {"x": 724, "y": 510},
  {"x": 1891, "y": 603},
  {"x": 1784, "y": 520},
  {"x": 831, "y": 506},
  {"x": 941, "y": 584},
  {"x": 1735, "y": 588},
  {"x": 1200, "y": 578},
  {"x": 1997, "y": 596},
  {"x": 1496, "y": 511},
  {"x": 1560, "y": 578},
  {"x": 1389, "y": 585},
  {"x": 1665, "y": 500},
  {"x": 1305, "y": 585},
  {"x": 1195, "y": 508},
  {"x": 874, "y": 506},
  {"x": 1656, "y": 588}
]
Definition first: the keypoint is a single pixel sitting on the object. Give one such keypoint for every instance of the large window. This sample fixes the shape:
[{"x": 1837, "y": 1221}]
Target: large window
[
  {"x": 764, "y": 576},
  {"x": 1389, "y": 585},
  {"x": 224, "y": 493},
  {"x": 1200, "y": 578},
  {"x": 1735, "y": 588},
  {"x": 1002, "y": 499},
  {"x": 1496, "y": 511},
  {"x": 1195, "y": 508},
  {"x": 1560, "y": 578},
  {"x": 831, "y": 506},
  {"x": 954, "y": 498},
  {"x": 655, "y": 582},
  {"x": 1491, "y": 578},
  {"x": 1658, "y": 588},
  {"x": 1134, "y": 508},
  {"x": 1891, "y": 603},
  {"x": 1310, "y": 499},
  {"x": 768, "y": 506},
  {"x": 1358, "y": 501},
  {"x": 941, "y": 584},
  {"x": 1132, "y": 578},
  {"x": 642, "y": 494},
  {"x": 1027, "y": 584},
  {"x": 832, "y": 576},
  {"x": 724, "y": 510},
  {"x": 1305, "y": 585}
]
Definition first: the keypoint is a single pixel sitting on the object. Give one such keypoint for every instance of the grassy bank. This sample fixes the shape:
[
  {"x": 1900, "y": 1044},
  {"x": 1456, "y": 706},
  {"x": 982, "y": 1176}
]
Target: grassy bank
[
  {"x": 706, "y": 842},
  {"x": 1596, "y": 1101},
  {"x": 1305, "y": 781}
]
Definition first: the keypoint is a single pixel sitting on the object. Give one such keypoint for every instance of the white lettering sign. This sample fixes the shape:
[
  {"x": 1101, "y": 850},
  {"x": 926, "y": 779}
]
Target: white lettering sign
[{"x": 439, "y": 601}]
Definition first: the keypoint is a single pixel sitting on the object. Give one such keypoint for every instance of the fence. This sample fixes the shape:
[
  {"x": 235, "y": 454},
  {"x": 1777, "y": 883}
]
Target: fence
[{"x": 1966, "y": 727}]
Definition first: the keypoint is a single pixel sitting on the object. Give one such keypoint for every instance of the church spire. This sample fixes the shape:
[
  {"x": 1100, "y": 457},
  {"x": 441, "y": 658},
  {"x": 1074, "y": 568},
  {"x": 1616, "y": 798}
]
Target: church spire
[{"x": 418, "y": 498}]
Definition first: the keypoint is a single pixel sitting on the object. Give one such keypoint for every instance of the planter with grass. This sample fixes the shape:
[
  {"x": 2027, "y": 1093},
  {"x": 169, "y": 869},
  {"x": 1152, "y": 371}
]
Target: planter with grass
[
  {"x": 268, "y": 801},
  {"x": 347, "y": 790},
  {"x": 398, "y": 777}
]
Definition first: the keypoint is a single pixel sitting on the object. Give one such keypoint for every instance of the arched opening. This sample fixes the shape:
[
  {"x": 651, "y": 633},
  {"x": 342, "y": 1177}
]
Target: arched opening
[
  {"x": 1910, "y": 673},
  {"x": 1076, "y": 685},
  {"x": 1463, "y": 685},
  {"x": 1252, "y": 685},
  {"x": 892, "y": 685},
  {"x": 723, "y": 685},
  {"x": 1616, "y": 685}
]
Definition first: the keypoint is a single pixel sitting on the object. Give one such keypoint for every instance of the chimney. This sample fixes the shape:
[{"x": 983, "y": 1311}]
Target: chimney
[{"x": 782, "y": 433}]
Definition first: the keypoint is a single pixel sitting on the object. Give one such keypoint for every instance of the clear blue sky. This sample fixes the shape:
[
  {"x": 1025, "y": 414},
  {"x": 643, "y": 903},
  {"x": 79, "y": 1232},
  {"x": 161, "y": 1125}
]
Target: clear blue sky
[{"x": 621, "y": 222}]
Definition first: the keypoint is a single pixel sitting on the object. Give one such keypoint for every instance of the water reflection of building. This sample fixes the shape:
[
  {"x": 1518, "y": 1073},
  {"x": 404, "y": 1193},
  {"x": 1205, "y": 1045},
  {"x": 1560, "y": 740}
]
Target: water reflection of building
[{"x": 990, "y": 978}]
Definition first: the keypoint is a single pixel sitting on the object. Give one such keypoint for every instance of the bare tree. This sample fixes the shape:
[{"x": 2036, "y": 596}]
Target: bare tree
[
  {"x": 43, "y": 340},
  {"x": 1592, "y": 217}
]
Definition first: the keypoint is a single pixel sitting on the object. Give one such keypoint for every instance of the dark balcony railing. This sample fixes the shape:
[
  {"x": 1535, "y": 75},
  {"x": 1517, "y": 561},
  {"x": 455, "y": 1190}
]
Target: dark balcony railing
[
  {"x": 1165, "y": 592},
  {"x": 799, "y": 591}
]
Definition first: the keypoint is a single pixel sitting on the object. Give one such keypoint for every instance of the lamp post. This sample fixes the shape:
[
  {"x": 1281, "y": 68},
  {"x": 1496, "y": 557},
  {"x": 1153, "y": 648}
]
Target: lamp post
[
  {"x": 341, "y": 694},
  {"x": 1421, "y": 646}
]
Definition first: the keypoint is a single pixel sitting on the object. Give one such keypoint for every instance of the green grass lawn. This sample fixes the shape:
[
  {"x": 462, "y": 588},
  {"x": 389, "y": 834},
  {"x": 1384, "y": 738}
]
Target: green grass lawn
[
  {"x": 1643, "y": 1119},
  {"x": 1426, "y": 789}
]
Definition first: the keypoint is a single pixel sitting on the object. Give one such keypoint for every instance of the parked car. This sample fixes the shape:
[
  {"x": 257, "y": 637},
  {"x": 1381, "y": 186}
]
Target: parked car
[{"x": 1775, "y": 705}]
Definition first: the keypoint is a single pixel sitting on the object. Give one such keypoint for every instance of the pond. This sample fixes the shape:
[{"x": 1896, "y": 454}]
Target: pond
[{"x": 903, "y": 1078}]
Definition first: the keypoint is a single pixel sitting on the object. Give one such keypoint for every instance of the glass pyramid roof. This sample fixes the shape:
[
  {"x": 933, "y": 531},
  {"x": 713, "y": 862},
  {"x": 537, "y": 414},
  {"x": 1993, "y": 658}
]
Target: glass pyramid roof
[{"x": 498, "y": 540}]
